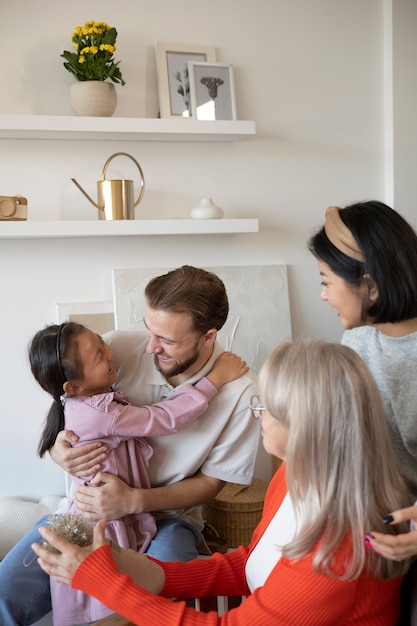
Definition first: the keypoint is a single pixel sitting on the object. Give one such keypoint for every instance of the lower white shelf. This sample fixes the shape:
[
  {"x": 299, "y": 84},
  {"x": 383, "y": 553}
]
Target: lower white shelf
[{"x": 123, "y": 228}]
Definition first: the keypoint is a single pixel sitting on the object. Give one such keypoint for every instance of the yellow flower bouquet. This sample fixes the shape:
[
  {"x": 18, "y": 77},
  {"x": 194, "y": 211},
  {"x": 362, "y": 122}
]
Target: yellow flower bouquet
[{"x": 94, "y": 45}]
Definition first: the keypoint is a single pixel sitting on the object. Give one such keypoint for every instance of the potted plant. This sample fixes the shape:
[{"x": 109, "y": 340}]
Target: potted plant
[{"x": 92, "y": 64}]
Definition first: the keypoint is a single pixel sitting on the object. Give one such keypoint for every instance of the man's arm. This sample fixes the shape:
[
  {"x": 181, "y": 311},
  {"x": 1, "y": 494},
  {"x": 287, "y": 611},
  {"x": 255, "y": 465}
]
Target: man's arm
[{"x": 114, "y": 499}]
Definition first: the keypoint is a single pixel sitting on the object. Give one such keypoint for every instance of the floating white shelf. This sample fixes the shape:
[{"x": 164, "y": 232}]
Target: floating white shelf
[
  {"x": 122, "y": 228},
  {"x": 122, "y": 128}
]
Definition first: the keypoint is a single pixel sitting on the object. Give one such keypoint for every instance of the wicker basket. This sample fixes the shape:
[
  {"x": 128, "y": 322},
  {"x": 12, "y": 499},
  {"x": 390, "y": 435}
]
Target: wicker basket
[
  {"x": 236, "y": 510},
  {"x": 275, "y": 463}
]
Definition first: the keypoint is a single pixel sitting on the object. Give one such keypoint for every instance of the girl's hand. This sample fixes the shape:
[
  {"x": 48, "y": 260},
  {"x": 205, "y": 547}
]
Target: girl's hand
[
  {"x": 64, "y": 565},
  {"x": 227, "y": 367},
  {"x": 397, "y": 547}
]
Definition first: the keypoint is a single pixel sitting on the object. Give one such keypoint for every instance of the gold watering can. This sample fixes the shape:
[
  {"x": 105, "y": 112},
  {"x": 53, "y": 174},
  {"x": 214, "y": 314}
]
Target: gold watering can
[{"x": 115, "y": 197}]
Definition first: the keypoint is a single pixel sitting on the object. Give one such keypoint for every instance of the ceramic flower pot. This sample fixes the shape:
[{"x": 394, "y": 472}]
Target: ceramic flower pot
[{"x": 93, "y": 98}]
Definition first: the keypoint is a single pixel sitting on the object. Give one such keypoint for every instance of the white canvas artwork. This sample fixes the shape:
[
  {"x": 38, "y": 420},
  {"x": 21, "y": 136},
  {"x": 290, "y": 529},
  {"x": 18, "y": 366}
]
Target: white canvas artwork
[{"x": 259, "y": 317}]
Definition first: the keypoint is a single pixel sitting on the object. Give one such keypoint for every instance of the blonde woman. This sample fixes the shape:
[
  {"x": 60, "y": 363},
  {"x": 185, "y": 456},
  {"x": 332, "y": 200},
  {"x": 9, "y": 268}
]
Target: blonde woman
[{"x": 307, "y": 562}]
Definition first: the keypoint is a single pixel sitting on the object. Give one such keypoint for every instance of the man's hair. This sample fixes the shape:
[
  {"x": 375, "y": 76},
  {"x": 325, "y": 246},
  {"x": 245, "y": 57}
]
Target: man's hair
[{"x": 190, "y": 290}]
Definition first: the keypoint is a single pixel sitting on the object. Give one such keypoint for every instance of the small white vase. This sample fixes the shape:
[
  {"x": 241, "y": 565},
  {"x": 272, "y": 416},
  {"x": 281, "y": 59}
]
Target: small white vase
[
  {"x": 93, "y": 98},
  {"x": 207, "y": 210}
]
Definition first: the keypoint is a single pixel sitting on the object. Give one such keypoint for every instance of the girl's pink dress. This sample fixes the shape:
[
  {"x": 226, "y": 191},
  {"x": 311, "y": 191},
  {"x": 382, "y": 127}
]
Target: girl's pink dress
[{"x": 110, "y": 419}]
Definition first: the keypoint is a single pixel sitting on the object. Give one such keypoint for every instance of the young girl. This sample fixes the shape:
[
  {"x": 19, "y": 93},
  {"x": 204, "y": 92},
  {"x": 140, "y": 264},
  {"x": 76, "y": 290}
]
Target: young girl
[
  {"x": 75, "y": 366},
  {"x": 307, "y": 562},
  {"x": 367, "y": 258}
]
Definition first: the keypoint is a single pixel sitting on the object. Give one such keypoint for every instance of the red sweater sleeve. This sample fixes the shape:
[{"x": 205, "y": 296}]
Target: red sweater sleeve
[{"x": 292, "y": 594}]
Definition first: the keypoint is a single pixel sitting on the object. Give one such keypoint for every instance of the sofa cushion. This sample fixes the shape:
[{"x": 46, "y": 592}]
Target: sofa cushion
[{"x": 18, "y": 515}]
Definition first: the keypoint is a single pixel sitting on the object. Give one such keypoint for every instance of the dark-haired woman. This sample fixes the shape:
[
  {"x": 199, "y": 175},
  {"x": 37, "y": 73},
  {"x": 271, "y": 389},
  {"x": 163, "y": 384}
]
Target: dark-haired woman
[{"x": 367, "y": 258}]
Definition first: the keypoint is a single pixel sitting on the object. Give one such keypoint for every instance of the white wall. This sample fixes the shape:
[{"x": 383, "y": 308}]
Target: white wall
[
  {"x": 405, "y": 107},
  {"x": 309, "y": 73}
]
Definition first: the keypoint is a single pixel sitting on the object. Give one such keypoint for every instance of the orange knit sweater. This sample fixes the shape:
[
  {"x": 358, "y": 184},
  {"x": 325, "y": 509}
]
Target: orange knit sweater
[{"x": 292, "y": 595}]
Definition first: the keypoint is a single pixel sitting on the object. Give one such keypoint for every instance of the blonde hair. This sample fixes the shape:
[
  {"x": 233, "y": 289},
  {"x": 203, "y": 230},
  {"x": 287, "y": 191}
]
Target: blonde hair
[{"x": 341, "y": 469}]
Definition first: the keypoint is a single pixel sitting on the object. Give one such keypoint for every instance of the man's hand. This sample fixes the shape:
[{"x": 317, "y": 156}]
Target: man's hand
[
  {"x": 79, "y": 461},
  {"x": 397, "y": 547},
  {"x": 110, "y": 498}
]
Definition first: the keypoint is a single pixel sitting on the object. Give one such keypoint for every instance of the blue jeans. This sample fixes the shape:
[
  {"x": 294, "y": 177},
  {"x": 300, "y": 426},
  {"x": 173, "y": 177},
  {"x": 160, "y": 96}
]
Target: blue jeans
[
  {"x": 175, "y": 540},
  {"x": 24, "y": 591}
]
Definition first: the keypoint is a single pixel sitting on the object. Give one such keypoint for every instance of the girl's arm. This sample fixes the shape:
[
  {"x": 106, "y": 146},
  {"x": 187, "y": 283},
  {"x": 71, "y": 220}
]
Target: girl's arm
[
  {"x": 86, "y": 459},
  {"x": 181, "y": 407}
]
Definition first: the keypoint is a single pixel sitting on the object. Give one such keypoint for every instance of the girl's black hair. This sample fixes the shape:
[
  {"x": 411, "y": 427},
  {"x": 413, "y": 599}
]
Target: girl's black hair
[
  {"x": 53, "y": 357},
  {"x": 389, "y": 246}
]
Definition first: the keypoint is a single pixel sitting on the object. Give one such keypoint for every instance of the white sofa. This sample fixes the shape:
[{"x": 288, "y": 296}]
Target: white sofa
[{"x": 17, "y": 516}]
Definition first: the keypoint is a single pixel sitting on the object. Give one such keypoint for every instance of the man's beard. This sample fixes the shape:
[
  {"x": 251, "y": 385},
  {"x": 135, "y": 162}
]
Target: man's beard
[{"x": 178, "y": 368}]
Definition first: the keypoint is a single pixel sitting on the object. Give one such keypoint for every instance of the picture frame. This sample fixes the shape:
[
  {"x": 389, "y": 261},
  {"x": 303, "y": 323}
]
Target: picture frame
[
  {"x": 172, "y": 71},
  {"x": 97, "y": 316},
  {"x": 212, "y": 91}
]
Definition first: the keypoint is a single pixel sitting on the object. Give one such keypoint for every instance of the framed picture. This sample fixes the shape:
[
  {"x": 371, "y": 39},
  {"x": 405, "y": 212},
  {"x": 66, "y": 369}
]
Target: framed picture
[
  {"x": 212, "y": 91},
  {"x": 172, "y": 68},
  {"x": 98, "y": 316}
]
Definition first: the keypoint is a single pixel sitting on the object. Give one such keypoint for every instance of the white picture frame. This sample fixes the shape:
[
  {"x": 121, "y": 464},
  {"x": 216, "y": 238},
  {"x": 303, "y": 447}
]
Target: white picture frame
[
  {"x": 172, "y": 71},
  {"x": 97, "y": 316},
  {"x": 212, "y": 91}
]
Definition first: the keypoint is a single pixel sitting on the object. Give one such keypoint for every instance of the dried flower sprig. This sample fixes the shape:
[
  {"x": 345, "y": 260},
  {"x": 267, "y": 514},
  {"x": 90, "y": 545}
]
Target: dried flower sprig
[{"x": 70, "y": 526}]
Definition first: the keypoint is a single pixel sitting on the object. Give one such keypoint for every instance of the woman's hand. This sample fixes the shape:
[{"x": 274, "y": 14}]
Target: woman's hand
[
  {"x": 64, "y": 565},
  {"x": 78, "y": 461},
  {"x": 397, "y": 547}
]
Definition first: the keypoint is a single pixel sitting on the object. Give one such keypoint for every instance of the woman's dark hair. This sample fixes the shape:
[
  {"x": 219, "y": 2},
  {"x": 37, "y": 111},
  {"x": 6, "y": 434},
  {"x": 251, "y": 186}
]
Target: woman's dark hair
[
  {"x": 53, "y": 357},
  {"x": 190, "y": 290},
  {"x": 389, "y": 246}
]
